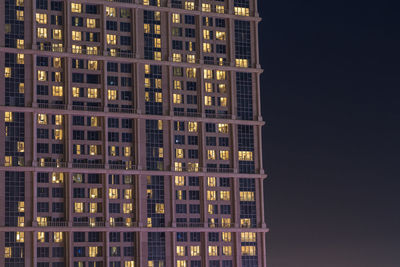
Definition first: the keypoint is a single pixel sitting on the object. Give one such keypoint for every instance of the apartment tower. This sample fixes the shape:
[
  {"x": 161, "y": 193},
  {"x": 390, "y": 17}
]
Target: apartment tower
[{"x": 130, "y": 134}]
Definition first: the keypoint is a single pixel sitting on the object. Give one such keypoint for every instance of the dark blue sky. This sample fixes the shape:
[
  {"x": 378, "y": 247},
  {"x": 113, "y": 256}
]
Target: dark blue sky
[{"x": 331, "y": 99}]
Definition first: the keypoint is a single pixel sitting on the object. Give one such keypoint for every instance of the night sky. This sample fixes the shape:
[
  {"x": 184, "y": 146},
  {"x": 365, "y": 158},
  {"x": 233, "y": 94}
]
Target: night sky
[{"x": 331, "y": 100}]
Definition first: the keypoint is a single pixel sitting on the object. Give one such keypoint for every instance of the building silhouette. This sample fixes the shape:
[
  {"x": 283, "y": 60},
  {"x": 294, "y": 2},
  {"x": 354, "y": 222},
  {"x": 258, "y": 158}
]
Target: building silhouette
[{"x": 130, "y": 134}]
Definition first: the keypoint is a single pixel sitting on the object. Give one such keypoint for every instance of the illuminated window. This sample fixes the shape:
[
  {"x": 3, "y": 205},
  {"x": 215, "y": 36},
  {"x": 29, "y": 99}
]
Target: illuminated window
[
  {"x": 20, "y": 43},
  {"x": 42, "y": 119},
  {"x": 92, "y": 64},
  {"x": 7, "y": 252},
  {"x": 191, "y": 58},
  {"x": 129, "y": 264},
  {"x": 94, "y": 121},
  {"x": 221, "y": 75},
  {"x": 78, "y": 207},
  {"x": 208, "y": 100},
  {"x": 179, "y": 153},
  {"x": 242, "y": 11},
  {"x": 223, "y": 101},
  {"x": 58, "y": 237},
  {"x": 127, "y": 207},
  {"x": 112, "y": 94},
  {"x": 42, "y": 221},
  {"x": 92, "y": 93},
  {"x": 179, "y": 180},
  {"x": 21, "y": 221},
  {"x": 57, "y": 34},
  {"x": 57, "y": 62},
  {"x": 189, "y": 5},
  {"x": 225, "y": 195},
  {"x": 220, "y": 9},
  {"x": 207, "y": 48},
  {"x": 157, "y": 42},
  {"x": 92, "y": 207},
  {"x": 224, "y": 154},
  {"x": 191, "y": 46},
  {"x": 20, "y": 146},
  {"x": 57, "y": 178},
  {"x": 180, "y": 251},
  {"x": 21, "y": 88},
  {"x": 147, "y": 28},
  {"x": 178, "y": 166},
  {"x": 58, "y": 119},
  {"x": 42, "y": 75},
  {"x": 246, "y": 196},
  {"x": 93, "y": 251},
  {"x": 211, "y": 154},
  {"x": 127, "y": 151},
  {"x": 58, "y": 134},
  {"x": 76, "y": 35},
  {"x": 20, "y": 58},
  {"x": 222, "y": 88},
  {"x": 176, "y": 18},
  {"x": 213, "y": 250},
  {"x": 160, "y": 152},
  {"x": 21, "y": 206},
  {"x": 41, "y": 237},
  {"x": 20, "y": 15},
  {"x": 111, "y": 12},
  {"x": 157, "y": 83},
  {"x": 193, "y": 167},
  {"x": 91, "y": 50},
  {"x": 227, "y": 237},
  {"x": 192, "y": 126},
  {"x": 7, "y": 72},
  {"x": 243, "y": 63},
  {"x": 91, "y": 23},
  {"x": 77, "y": 49},
  {"x": 209, "y": 87},
  {"x": 157, "y": 55},
  {"x": 8, "y": 116},
  {"x": 227, "y": 250},
  {"x": 211, "y": 181},
  {"x": 180, "y": 263},
  {"x": 245, "y": 155},
  {"x": 177, "y": 85},
  {"x": 208, "y": 74},
  {"x": 57, "y": 90},
  {"x": 111, "y": 39},
  {"x": 158, "y": 97},
  {"x": 176, "y": 57},
  {"x": 113, "y": 193},
  {"x": 93, "y": 193},
  {"x": 19, "y": 3},
  {"x": 248, "y": 251},
  {"x": 149, "y": 223},
  {"x": 211, "y": 209},
  {"x": 206, "y": 7},
  {"x": 245, "y": 223},
  {"x": 7, "y": 161},
  {"x": 211, "y": 195},
  {"x": 160, "y": 208},
  {"x": 226, "y": 222},
  {"x": 57, "y": 76},
  {"x": 191, "y": 72},
  {"x": 220, "y": 35},
  {"x": 222, "y": 128},
  {"x": 206, "y": 34},
  {"x": 194, "y": 251},
  {"x": 248, "y": 237},
  {"x": 179, "y": 194},
  {"x": 128, "y": 194},
  {"x": 76, "y": 8},
  {"x": 177, "y": 98},
  {"x": 20, "y": 237}
]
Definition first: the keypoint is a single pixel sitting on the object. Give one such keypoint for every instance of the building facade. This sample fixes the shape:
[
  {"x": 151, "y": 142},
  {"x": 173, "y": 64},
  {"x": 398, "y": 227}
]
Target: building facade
[{"x": 130, "y": 134}]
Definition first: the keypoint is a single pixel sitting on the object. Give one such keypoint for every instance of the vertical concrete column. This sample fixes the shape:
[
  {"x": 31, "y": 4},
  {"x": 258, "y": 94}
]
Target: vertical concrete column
[
  {"x": 34, "y": 200},
  {"x": 236, "y": 202},
  {"x": 34, "y": 247},
  {"x": 67, "y": 26},
  {"x": 238, "y": 249},
  {"x": 260, "y": 188},
  {"x": 231, "y": 40}
]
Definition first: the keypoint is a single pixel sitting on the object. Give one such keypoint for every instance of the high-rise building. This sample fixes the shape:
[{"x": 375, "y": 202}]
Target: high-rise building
[{"x": 130, "y": 134}]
